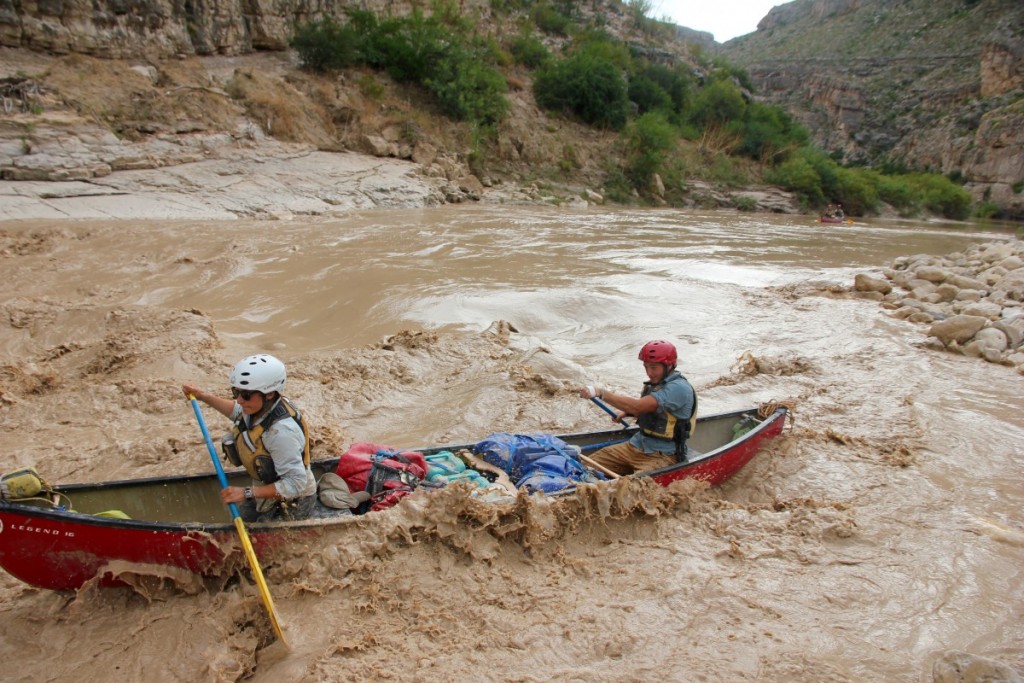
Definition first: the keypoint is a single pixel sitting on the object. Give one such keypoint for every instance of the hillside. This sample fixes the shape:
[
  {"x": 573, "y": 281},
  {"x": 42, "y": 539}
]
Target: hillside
[
  {"x": 93, "y": 88},
  {"x": 919, "y": 84}
]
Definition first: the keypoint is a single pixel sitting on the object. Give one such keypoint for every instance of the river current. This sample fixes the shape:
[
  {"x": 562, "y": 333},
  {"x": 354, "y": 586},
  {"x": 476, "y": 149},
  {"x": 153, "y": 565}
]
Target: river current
[{"x": 879, "y": 537}]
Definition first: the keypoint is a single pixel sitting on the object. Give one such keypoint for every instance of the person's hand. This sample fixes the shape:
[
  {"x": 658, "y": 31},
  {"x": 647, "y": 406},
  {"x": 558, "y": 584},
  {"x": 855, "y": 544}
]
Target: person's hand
[
  {"x": 232, "y": 494},
  {"x": 590, "y": 392},
  {"x": 191, "y": 390}
]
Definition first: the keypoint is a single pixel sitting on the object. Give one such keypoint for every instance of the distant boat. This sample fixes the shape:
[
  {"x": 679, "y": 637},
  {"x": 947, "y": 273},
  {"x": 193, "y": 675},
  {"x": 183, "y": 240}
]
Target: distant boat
[
  {"x": 168, "y": 526},
  {"x": 831, "y": 219}
]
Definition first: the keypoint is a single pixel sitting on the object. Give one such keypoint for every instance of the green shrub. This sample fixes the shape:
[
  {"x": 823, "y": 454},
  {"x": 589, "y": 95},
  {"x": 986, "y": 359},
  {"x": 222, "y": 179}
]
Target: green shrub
[
  {"x": 856, "y": 190},
  {"x": 678, "y": 83},
  {"x": 530, "y": 51},
  {"x": 617, "y": 187},
  {"x": 768, "y": 134},
  {"x": 745, "y": 202},
  {"x": 441, "y": 53},
  {"x": 586, "y": 85},
  {"x": 601, "y": 45},
  {"x": 717, "y": 104},
  {"x": 649, "y": 96},
  {"x": 942, "y": 196},
  {"x": 827, "y": 170},
  {"x": 408, "y": 48},
  {"x": 799, "y": 176},
  {"x": 551, "y": 20},
  {"x": 988, "y": 210},
  {"x": 647, "y": 142},
  {"x": 725, "y": 170},
  {"x": 467, "y": 88},
  {"x": 370, "y": 87},
  {"x": 326, "y": 45},
  {"x": 900, "y": 194}
]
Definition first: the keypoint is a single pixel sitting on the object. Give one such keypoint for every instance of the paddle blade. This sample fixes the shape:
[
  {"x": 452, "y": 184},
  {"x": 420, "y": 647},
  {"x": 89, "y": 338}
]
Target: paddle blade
[{"x": 261, "y": 582}]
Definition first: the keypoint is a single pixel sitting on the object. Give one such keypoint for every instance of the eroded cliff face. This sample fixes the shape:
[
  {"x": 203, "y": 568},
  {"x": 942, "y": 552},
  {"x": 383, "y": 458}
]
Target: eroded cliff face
[
  {"x": 936, "y": 85},
  {"x": 162, "y": 28}
]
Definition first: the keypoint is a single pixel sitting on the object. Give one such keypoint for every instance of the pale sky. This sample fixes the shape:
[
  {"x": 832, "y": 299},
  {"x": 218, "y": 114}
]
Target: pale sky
[{"x": 724, "y": 18}]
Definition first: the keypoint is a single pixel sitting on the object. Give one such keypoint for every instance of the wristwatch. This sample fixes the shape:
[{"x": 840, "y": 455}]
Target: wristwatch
[{"x": 248, "y": 493}]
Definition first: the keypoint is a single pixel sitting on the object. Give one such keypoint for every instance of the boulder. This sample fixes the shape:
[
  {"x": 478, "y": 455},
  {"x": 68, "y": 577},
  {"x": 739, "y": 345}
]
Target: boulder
[
  {"x": 471, "y": 185},
  {"x": 992, "y": 338},
  {"x": 932, "y": 274},
  {"x": 1011, "y": 263},
  {"x": 993, "y": 253},
  {"x": 958, "y": 328},
  {"x": 1014, "y": 335},
  {"x": 424, "y": 153},
  {"x": 904, "y": 312},
  {"x": 374, "y": 145},
  {"x": 983, "y": 309},
  {"x": 867, "y": 283},
  {"x": 921, "y": 317},
  {"x": 964, "y": 282},
  {"x": 925, "y": 291},
  {"x": 947, "y": 292},
  {"x": 969, "y": 295}
]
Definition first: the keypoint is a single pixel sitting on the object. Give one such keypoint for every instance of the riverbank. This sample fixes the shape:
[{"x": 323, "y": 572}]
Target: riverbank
[
  {"x": 73, "y": 169},
  {"x": 970, "y": 302},
  {"x": 246, "y": 136}
]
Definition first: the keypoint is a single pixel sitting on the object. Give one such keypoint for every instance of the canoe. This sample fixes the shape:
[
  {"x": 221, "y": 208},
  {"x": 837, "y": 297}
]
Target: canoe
[
  {"x": 832, "y": 219},
  {"x": 177, "y": 526}
]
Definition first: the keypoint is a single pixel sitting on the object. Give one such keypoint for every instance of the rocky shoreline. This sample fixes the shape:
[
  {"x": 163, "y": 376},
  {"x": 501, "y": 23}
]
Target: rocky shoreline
[
  {"x": 971, "y": 301},
  {"x": 71, "y": 168},
  {"x": 85, "y": 138}
]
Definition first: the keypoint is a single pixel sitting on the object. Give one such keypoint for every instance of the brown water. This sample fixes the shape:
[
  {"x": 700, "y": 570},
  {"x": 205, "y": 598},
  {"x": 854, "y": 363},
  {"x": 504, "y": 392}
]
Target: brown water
[{"x": 883, "y": 531}]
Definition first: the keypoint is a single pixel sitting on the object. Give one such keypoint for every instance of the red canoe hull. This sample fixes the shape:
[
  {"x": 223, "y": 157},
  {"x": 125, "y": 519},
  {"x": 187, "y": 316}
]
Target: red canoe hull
[{"x": 60, "y": 550}]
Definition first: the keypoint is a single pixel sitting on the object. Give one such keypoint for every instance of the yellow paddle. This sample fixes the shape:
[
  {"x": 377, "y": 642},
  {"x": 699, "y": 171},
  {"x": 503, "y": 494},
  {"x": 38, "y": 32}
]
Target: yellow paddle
[{"x": 240, "y": 526}]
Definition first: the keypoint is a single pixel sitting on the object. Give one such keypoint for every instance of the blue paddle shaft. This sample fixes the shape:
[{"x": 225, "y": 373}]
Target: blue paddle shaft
[
  {"x": 604, "y": 406},
  {"x": 213, "y": 453}
]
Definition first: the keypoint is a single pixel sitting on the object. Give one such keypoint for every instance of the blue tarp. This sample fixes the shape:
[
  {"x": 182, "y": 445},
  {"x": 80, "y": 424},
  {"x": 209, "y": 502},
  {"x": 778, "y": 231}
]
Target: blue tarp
[{"x": 538, "y": 462}]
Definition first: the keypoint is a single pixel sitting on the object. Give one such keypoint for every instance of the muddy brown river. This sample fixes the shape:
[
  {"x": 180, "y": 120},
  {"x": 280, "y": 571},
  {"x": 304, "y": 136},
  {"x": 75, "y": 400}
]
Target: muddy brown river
[{"x": 880, "y": 538}]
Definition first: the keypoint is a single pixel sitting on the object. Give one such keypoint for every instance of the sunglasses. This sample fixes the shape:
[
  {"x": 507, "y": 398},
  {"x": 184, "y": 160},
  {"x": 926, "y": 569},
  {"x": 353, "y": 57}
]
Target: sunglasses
[{"x": 246, "y": 394}]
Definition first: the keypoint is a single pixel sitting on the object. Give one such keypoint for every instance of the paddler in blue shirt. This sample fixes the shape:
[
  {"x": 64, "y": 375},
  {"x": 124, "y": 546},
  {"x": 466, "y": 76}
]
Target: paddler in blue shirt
[{"x": 665, "y": 413}]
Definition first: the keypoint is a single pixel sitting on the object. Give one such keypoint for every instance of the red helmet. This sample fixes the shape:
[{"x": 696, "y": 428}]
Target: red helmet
[{"x": 658, "y": 351}]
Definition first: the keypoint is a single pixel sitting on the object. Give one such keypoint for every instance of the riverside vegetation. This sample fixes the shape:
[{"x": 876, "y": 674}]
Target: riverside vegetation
[
  {"x": 574, "y": 101},
  {"x": 661, "y": 105}
]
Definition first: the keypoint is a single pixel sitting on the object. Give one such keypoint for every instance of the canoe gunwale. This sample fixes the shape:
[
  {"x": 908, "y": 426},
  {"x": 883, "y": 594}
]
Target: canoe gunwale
[{"x": 328, "y": 464}]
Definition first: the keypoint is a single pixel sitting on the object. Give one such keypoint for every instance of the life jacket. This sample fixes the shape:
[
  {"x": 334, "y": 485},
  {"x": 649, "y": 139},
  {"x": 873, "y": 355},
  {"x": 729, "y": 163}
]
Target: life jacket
[
  {"x": 665, "y": 425},
  {"x": 252, "y": 454}
]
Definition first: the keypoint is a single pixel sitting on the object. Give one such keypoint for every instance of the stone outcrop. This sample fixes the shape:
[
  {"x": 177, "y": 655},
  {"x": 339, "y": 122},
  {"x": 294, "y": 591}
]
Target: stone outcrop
[
  {"x": 971, "y": 302},
  {"x": 926, "y": 85},
  {"x": 1002, "y": 64},
  {"x": 162, "y": 28},
  {"x": 94, "y": 126}
]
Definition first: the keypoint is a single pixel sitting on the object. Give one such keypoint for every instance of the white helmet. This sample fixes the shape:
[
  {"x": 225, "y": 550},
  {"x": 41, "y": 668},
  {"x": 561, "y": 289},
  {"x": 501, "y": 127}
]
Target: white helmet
[{"x": 261, "y": 372}]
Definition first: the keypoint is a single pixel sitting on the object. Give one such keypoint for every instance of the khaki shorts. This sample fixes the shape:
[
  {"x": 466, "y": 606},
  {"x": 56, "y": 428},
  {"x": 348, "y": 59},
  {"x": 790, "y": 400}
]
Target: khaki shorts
[{"x": 623, "y": 458}]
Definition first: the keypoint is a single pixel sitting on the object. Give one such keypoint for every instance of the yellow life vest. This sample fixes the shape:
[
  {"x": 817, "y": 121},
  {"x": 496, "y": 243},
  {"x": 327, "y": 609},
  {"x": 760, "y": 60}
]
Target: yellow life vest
[
  {"x": 249, "y": 441},
  {"x": 665, "y": 425}
]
